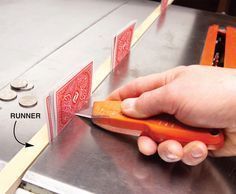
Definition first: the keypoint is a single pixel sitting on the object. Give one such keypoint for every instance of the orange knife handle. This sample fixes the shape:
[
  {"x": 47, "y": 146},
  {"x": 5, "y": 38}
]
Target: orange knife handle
[
  {"x": 108, "y": 115},
  {"x": 170, "y": 129}
]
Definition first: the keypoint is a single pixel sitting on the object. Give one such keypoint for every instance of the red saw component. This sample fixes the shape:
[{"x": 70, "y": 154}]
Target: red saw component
[{"x": 220, "y": 47}]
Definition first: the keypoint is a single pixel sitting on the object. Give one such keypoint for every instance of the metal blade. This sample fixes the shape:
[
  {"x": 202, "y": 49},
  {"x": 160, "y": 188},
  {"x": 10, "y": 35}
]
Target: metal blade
[
  {"x": 121, "y": 130},
  {"x": 87, "y": 113}
]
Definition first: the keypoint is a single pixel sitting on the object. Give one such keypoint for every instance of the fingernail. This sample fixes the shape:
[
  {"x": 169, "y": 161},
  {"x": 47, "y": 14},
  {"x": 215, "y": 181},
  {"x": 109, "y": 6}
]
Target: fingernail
[
  {"x": 128, "y": 104},
  {"x": 197, "y": 153},
  {"x": 128, "y": 107},
  {"x": 172, "y": 157}
]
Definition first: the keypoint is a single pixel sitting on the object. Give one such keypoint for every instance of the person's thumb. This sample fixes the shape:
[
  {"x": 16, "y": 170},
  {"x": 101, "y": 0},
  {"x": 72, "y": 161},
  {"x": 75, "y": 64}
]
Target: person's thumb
[{"x": 148, "y": 104}]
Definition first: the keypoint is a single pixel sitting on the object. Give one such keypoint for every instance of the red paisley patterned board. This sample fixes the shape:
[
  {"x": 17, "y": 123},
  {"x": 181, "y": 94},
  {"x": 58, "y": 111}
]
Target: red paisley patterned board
[
  {"x": 70, "y": 97},
  {"x": 164, "y": 4},
  {"x": 122, "y": 43}
]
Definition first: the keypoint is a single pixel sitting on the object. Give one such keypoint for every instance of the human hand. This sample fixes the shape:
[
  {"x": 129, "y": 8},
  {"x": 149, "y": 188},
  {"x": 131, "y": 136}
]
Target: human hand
[{"x": 198, "y": 96}]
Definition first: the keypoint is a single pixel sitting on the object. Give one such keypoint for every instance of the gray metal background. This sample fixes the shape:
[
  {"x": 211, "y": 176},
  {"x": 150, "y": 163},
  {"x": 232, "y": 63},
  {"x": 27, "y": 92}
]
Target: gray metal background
[{"x": 84, "y": 157}]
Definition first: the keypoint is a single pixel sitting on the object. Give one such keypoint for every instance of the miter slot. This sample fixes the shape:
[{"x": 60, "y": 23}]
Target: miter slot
[{"x": 219, "y": 54}]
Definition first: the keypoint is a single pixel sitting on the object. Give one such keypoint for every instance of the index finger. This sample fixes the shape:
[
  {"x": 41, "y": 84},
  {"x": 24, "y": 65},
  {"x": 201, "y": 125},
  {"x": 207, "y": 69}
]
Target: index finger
[{"x": 143, "y": 84}]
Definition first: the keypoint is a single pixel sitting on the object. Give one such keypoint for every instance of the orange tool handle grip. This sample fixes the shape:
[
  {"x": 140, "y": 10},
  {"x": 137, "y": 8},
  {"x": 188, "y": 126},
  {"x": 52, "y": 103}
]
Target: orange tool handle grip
[
  {"x": 209, "y": 47},
  {"x": 160, "y": 128},
  {"x": 168, "y": 127},
  {"x": 230, "y": 48}
]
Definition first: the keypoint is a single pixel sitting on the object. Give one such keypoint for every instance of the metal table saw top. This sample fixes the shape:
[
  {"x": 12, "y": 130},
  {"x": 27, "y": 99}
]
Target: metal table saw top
[
  {"x": 85, "y": 158},
  {"x": 81, "y": 39}
]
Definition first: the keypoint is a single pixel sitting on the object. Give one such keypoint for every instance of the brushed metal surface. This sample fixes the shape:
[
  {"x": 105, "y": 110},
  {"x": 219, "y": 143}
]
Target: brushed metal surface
[
  {"x": 92, "y": 43},
  {"x": 32, "y": 30},
  {"x": 89, "y": 158}
]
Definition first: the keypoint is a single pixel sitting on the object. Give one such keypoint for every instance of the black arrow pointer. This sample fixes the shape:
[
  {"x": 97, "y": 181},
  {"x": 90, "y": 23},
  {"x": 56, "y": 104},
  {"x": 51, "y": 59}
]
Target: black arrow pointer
[{"x": 14, "y": 133}]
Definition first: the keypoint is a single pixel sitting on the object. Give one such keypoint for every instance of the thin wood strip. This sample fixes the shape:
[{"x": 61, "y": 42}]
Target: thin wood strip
[
  {"x": 147, "y": 23},
  {"x": 102, "y": 72}
]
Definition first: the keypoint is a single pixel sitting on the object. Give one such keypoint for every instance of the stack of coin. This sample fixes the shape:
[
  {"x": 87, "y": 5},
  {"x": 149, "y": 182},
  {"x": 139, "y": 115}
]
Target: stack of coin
[
  {"x": 16, "y": 86},
  {"x": 28, "y": 101},
  {"x": 21, "y": 85},
  {"x": 7, "y": 95}
]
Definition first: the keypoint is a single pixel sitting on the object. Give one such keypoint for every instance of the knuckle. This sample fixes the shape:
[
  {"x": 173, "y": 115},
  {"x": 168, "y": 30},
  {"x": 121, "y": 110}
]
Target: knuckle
[
  {"x": 142, "y": 98},
  {"x": 194, "y": 67},
  {"x": 171, "y": 93},
  {"x": 143, "y": 102},
  {"x": 173, "y": 74},
  {"x": 181, "y": 68}
]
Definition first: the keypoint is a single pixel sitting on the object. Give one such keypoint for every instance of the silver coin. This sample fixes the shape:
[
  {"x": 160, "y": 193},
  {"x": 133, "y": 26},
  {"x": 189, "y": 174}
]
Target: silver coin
[
  {"x": 28, "y": 101},
  {"x": 7, "y": 95},
  {"x": 30, "y": 86},
  {"x": 19, "y": 84}
]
